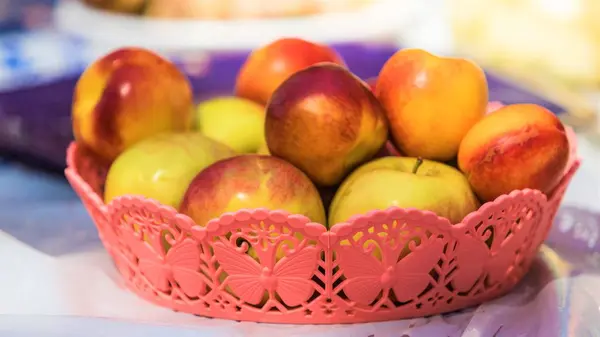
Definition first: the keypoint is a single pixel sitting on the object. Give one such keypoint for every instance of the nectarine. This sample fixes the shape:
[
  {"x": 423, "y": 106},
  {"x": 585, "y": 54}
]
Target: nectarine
[
  {"x": 126, "y": 96},
  {"x": 325, "y": 121},
  {"x": 431, "y": 102},
  {"x": 267, "y": 67},
  {"x": 515, "y": 147}
]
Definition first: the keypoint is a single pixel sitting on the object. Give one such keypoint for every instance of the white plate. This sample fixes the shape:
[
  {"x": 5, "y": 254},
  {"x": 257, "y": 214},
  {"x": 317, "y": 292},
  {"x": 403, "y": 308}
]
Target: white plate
[{"x": 381, "y": 20}]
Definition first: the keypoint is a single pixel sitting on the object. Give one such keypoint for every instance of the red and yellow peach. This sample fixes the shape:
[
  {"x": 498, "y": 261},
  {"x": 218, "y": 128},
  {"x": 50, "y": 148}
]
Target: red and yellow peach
[
  {"x": 431, "y": 102},
  {"x": 267, "y": 67},
  {"x": 326, "y": 122},
  {"x": 515, "y": 147},
  {"x": 126, "y": 96}
]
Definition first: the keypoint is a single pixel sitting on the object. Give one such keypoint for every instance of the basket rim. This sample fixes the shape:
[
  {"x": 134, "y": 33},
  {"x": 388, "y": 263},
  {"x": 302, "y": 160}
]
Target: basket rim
[{"x": 338, "y": 228}]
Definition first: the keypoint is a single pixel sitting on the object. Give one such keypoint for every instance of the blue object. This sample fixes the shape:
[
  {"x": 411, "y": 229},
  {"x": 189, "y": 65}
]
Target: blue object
[{"x": 18, "y": 15}]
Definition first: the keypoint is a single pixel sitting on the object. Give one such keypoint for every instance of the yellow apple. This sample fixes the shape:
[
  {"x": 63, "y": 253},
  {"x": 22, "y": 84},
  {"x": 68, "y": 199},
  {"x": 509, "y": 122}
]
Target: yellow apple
[
  {"x": 233, "y": 121},
  {"x": 264, "y": 150},
  {"x": 161, "y": 167},
  {"x": 404, "y": 182}
]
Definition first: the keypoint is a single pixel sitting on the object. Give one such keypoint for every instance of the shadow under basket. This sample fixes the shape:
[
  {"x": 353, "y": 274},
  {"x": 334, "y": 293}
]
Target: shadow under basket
[{"x": 271, "y": 266}]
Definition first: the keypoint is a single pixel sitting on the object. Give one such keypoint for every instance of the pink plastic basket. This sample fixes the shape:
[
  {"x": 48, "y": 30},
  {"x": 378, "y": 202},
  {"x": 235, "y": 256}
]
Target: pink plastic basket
[{"x": 404, "y": 263}]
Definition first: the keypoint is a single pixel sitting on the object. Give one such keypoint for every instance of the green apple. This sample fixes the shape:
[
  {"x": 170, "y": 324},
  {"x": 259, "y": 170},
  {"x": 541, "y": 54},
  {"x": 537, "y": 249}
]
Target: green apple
[
  {"x": 236, "y": 122},
  {"x": 404, "y": 182},
  {"x": 161, "y": 167}
]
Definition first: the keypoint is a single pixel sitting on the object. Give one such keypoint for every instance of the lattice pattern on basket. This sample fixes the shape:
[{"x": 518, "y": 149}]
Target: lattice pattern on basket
[{"x": 270, "y": 266}]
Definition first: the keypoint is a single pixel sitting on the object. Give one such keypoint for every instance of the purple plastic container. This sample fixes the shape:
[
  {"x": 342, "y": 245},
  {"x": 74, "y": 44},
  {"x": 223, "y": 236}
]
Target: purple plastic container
[{"x": 35, "y": 118}]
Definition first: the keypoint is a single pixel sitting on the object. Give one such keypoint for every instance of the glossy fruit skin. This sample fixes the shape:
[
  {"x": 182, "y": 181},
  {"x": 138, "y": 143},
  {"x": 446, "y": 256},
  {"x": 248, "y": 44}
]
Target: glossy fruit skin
[
  {"x": 251, "y": 181},
  {"x": 514, "y": 147},
  {"x": 268, "y": 66},
  {"x": 126, "y": 96},
  {"x": 161, "y": 167},
  {"x": 390, "y": 181},
  {"x": 431, "y": 102},
  {"x": 236, "y": 122},
  {"x": 326, "y": 122}
]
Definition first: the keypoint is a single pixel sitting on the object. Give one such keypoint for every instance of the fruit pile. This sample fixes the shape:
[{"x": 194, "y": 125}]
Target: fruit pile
[{"x": 305, "y": 135}]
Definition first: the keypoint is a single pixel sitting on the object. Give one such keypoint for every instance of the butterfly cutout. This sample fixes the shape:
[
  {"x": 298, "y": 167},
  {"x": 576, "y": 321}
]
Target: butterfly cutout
[
  {"x": 367, "y": 277},
  {"x": 179, "y": 264},
  {"x": 290, "y": 278},
  {"x": 475, "y": 258}
]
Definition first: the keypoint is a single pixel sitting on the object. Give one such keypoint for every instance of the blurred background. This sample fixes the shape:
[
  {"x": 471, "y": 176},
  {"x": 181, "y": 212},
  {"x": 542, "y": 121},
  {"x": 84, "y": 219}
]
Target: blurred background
[
  {"x": 533, "y": 51},
  {"x": 540, "y": 51}
]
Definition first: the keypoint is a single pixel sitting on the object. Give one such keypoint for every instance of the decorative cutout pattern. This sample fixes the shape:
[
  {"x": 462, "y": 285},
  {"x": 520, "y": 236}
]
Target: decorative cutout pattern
[{"x": 270, "y": 266}]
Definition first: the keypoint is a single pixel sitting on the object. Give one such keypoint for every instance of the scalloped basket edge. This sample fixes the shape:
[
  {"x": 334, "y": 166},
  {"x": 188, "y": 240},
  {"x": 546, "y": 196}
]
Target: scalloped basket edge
[{"x": 357, "y": 222}]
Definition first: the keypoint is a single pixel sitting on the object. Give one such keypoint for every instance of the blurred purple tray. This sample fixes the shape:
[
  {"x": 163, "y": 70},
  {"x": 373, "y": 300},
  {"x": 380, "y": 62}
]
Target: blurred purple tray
[{"x": 35, "y": 120}]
